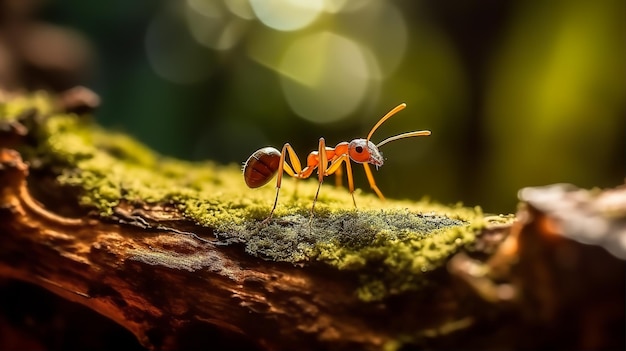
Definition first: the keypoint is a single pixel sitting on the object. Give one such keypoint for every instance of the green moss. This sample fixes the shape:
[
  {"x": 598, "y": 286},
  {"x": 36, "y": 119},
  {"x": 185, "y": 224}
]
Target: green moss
[{"x": 392, "y": 245}]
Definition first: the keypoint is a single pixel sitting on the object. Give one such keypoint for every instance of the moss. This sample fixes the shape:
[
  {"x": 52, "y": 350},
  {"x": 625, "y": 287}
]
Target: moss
[{"x": 392, "y": 245}]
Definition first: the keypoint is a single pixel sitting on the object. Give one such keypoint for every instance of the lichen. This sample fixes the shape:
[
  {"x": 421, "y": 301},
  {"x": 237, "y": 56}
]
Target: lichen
[{"x": 392, "y": 245}]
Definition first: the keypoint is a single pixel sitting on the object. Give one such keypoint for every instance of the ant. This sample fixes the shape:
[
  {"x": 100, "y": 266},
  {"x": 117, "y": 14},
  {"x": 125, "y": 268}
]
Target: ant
[{"x": 263, "y": 164}]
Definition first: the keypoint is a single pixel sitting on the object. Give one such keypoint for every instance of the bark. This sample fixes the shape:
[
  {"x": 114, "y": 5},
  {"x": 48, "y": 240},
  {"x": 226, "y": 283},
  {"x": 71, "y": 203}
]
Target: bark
[
  {"x": 173, "y": 285},
  {"x": 160, "y": 283}
]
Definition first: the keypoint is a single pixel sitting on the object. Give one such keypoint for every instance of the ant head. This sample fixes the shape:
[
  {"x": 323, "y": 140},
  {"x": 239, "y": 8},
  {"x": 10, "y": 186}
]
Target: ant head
[{"x": 364, "y": 151}]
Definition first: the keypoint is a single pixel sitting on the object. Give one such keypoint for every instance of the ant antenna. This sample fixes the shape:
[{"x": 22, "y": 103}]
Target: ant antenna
[
  {"x": 399, "y": 136},
  {"x": 404, "y": 135},
  {"x": 386, "y": 117}
]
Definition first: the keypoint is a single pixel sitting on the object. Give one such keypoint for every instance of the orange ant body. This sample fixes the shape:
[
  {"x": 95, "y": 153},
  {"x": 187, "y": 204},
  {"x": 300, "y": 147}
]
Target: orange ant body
[{"x": 262, "y": 165}]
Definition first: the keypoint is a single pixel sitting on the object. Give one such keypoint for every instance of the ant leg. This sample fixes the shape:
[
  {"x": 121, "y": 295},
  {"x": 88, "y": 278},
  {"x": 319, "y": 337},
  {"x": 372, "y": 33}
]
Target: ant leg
[
  {"x": 267, "y": 219},
  {"x": 284, "y": 167},
  {"x": 335, "y": 167},
  {"x": 338, "y": 178},
  {"x": 321, "y": 172},
  {"x": 370, "y": 179},
  {"x": 293, "y": 158},
  {"x": 350, "y": 180},
  {"x": 295, "y": 162}
]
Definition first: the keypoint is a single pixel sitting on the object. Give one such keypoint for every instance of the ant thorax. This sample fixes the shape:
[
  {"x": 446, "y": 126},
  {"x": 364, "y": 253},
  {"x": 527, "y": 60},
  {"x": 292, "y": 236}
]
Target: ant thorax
[{"x": 364, "y": 151}]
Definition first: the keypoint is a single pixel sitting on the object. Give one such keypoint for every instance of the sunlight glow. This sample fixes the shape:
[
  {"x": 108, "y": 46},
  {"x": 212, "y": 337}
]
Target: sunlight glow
[{"x": 287, "y": 15}]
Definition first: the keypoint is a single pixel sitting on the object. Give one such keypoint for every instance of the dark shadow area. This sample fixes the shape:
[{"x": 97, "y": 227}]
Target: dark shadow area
[{"x": 33, "y": 318}]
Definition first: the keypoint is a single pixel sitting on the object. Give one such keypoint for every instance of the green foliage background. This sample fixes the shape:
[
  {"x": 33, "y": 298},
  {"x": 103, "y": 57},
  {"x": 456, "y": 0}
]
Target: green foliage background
[{"x": 517, "y": 93}]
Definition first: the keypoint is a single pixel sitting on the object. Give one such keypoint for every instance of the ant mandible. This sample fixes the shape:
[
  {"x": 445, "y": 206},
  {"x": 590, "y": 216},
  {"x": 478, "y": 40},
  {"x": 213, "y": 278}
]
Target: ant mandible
[{"x": 263, "y": 164}]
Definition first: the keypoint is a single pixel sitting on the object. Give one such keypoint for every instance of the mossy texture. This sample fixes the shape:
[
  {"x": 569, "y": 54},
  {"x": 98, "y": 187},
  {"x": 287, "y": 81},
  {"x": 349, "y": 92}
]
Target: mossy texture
[{"x": 391, "y": 244}]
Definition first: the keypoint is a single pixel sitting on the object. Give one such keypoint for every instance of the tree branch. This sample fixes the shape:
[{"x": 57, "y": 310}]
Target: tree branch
[{"x": 185, "y": 251}]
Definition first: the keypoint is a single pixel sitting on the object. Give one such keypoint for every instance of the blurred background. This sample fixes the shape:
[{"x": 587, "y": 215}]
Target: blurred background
[{"x": 517, "y": 93}]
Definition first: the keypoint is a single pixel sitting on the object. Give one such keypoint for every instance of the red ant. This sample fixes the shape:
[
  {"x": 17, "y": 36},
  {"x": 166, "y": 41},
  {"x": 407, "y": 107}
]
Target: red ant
[{"x": 262, "y": 165}]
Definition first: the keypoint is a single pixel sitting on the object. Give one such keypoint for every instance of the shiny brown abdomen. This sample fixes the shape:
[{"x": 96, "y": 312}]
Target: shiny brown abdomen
[{"x": 261, "y": 167}]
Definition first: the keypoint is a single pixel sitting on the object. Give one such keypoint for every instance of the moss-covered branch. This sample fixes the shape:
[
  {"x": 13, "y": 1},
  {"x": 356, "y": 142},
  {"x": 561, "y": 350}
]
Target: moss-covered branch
[
  {"x": 113, "y": 175},
  {"x": 163, "y": 246}
]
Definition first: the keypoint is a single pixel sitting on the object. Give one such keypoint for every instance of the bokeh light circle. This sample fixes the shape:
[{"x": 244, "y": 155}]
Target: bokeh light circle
[
  {"x": 287, "y": 15},
  {"x": 325, "y": 76},
  {"x": 240, "y": 8},
  {"x": 215, "y": 27}
]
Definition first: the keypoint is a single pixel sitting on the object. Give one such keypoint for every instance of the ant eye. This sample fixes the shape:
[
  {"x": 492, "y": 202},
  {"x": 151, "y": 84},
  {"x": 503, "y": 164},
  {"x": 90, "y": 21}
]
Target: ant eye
[{"x": 359, "y": 149}]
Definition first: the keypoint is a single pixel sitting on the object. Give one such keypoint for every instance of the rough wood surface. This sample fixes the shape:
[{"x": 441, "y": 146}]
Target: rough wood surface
[
  {"x": 157, "y": 282},
  {"x": 162, "y": 283},
  {"x": 552, "y": 279}
]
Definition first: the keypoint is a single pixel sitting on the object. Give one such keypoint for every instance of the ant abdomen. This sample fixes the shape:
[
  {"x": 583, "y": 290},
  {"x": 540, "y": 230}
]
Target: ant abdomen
[{"x": 261, "y": 167}]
